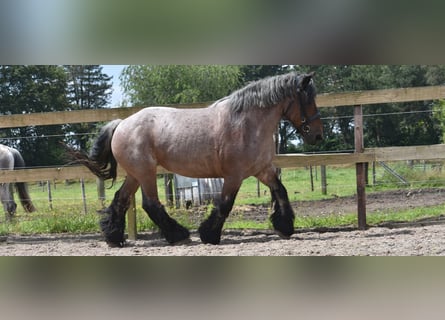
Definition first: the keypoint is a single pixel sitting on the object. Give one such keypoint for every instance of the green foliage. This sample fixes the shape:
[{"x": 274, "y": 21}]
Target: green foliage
[
  {"x": 169, "y": 84},
  {"x": 406, "y": 215},
  {"x": 256, "y": 72},
  {"x": 43, "y": 88},
  {"x": 32, "y": 89},
  {"x": 398, "y": 124},
  {"x": 27, "y": 89},
  {"x": 439, "y": 116},
  {"x": 88, "y": 88}
]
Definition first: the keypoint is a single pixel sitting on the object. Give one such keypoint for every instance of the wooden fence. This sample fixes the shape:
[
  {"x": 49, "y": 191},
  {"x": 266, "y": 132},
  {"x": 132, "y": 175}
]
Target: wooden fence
[{"x": 359, "y": 157}]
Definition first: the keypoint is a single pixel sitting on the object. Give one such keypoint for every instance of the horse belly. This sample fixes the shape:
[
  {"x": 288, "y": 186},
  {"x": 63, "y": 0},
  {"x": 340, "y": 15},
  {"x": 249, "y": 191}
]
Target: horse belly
[{"x": 191, "y": 165}]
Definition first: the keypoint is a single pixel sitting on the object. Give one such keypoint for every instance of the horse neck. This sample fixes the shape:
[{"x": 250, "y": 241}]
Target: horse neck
[
  {"x": 271, "y": 116},
  {"x": 265, "y": 118}
]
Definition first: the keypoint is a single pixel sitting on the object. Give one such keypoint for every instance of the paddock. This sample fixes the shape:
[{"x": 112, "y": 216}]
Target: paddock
[
  {"x": 414, "y": 240},
  {"x": 361, "y": 155}
]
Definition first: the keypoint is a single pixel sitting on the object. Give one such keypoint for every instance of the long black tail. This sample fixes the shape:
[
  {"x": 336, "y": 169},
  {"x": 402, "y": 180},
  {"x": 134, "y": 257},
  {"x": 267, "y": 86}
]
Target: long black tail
[
  {"x": 22, "y": 187},
  {"x": 100, "y": 161}
]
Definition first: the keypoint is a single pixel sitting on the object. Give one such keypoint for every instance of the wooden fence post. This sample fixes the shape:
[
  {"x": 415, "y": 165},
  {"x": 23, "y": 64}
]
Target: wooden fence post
[
  {"x": 360, "y": 168},
  {"x": 168, "y": 184},
  {"x": 132, "y": 225}
]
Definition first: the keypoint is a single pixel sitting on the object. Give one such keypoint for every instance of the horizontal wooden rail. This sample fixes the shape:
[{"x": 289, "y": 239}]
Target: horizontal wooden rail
[
  {"x": 52, "y": 174},
  {"x": 323, "y": 100},
  {"x": 63, "y": 117},
  {"x": 303, "y": 160},
  {"x": 431, "y": 152},
  {"x": 75, "y": 116},
  {"x": 381, "y": 96}
]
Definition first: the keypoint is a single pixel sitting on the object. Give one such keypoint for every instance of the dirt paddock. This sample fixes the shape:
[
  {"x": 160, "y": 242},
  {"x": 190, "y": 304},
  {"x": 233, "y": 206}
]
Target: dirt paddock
[{"x": 424, "y": 237}]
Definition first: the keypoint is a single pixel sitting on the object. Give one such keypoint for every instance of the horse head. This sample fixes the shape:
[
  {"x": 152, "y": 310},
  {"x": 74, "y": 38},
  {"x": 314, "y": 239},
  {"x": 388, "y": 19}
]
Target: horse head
[{"x": 302, "y": 111}]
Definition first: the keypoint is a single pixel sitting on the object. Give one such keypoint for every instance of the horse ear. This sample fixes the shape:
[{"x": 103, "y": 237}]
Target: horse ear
[{"x": 306, "y": 80}]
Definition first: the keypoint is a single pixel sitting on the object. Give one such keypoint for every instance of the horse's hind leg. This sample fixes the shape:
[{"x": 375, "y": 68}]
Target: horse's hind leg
[
  {"x": 210, "y": 229},
  {"x": 113, "y": 221},
  {"x": 173, "y": 232},
  {"x": 7, "y": 200},
  {"x": 283, "y": 216}
]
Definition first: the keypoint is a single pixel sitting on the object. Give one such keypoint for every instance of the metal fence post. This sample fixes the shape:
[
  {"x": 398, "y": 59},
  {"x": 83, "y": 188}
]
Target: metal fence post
[
  {"x": 84, "y": 197},
  {"x": 101, "y": 191}
]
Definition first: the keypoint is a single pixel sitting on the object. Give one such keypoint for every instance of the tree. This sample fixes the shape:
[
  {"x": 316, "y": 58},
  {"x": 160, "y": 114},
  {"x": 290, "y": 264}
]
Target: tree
[
  {"x": 435, "y": 75},
  {"x": 30, "y": 89},
  {"x": 385, "y": 124},
  {"x": 88, "y": 88},
  {"x": 404, "y": 123},
  {"x": 256, "y": 72},
  {"x": 169, "y": 84}
]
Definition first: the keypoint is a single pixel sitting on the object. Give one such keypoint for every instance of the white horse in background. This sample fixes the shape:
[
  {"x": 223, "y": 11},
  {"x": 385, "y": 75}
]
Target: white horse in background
[{"x": 11, "y": 159}]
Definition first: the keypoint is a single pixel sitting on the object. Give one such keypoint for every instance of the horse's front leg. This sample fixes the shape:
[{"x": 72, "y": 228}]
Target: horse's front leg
[
  {"x": 283, "y": 216},
  {"x": 210, "y": 229}
]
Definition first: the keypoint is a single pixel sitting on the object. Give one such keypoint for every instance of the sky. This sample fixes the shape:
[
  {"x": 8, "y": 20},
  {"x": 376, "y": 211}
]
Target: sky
[{"x": 114, "y": 71}]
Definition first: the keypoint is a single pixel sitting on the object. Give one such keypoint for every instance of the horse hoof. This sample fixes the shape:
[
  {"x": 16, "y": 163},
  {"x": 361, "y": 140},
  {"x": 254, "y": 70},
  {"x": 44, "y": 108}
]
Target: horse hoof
[
  {"x": 208, "y": 233},
  {"x": 181, "y": 242},
  {"x": 214, "y": 242},
  {"x": 210, "y": 238},
  {"x": 283, "y": 227},
  {"x": 119, "y": 244},
  {"x": 179, "y": 236},
  {"x": 282, "y": 235}
]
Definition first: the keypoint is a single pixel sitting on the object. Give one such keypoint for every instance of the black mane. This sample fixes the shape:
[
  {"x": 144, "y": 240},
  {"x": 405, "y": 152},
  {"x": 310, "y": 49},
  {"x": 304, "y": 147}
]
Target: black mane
[{"x": 269, "y": 91}]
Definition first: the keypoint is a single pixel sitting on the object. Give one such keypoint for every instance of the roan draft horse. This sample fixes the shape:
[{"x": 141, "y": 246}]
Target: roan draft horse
[
  {"x": 232, "y": 139},
  {"x": 11, "y": 159}
]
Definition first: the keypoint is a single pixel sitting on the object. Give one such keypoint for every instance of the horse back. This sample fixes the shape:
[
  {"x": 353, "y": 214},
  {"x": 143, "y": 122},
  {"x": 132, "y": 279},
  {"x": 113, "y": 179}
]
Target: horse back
[
  {"x": 205, "y": 142},
  {"x": 6, "y": 157}
]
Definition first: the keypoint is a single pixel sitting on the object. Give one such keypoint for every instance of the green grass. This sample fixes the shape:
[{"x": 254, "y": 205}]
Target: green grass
[{"x": 67, "y": 213}]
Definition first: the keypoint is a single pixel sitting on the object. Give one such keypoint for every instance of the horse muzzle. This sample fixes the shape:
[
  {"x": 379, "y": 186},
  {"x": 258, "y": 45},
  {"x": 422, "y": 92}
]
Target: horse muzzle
[{"x": 313, "y": 139}]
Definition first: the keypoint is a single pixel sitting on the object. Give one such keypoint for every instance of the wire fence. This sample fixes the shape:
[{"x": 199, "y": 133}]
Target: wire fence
[
  {"x": 440, "y": 109},
  {"x": 82, "y": 196}
]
